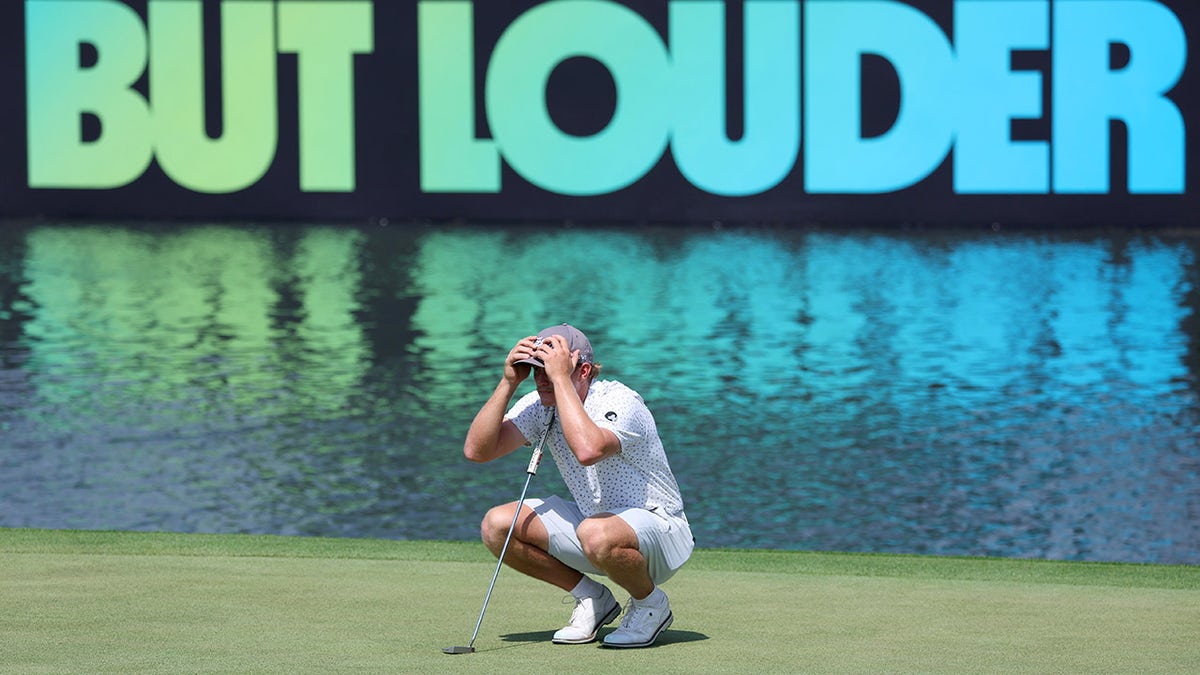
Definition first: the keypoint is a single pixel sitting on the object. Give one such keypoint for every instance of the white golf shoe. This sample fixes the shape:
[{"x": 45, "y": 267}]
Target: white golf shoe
[
  {"x": 589, "y": 615},
  {"x": 644, "y": 621}
]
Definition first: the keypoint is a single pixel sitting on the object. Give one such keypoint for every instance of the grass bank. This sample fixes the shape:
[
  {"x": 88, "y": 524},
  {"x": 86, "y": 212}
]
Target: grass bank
[{"x": 135, "y": 602}]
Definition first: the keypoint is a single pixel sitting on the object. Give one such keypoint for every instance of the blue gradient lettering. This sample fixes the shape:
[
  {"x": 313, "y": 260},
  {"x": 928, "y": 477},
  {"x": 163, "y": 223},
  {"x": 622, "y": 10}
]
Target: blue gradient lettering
[
  {"x": 521, "y": 64},
  {"x": 90, "y": 125},
  {"x": 1087, "y": 94},
  {"x": 990, "y": 96},
  {"x": 770, "y": 141},
  {"x": 962, "y": 96},
  {"x": 837, "y": 34}
]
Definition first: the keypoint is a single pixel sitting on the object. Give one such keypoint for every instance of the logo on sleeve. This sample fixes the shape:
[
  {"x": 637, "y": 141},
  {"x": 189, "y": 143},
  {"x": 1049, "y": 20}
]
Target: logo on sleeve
[{"x": 610, "y": 416}]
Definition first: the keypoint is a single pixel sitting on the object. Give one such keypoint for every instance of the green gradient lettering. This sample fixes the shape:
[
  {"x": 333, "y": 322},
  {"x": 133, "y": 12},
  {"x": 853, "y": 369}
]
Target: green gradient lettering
[
  {"x": 770, "y": 141},
  {"x": 172, "y": 126},
  {"x": 59, "y": 92},
  {"x": 452, "y": 159},
  {"x": 325, "y": 36},
  {"x": 246, "y": 146},
  {"x": 515, "y": 94},
  {"x": 671, "y": 92}
]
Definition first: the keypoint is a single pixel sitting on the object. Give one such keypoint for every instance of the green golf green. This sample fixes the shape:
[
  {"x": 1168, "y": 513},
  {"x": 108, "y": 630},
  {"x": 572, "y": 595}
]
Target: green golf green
[{"x": 135, "y": 602}]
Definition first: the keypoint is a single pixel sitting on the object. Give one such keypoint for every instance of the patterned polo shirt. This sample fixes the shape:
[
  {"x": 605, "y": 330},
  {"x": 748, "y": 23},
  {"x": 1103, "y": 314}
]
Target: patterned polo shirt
[{"x": 637, "y": 476}]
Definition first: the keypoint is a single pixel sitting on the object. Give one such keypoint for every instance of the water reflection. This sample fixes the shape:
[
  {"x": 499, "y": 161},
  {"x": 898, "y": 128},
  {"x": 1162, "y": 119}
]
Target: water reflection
[{"x": 938, "y": 392}]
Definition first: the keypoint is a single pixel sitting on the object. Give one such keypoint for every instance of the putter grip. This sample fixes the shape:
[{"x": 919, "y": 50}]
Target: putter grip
[
  {"x": 536, "y": 458},
  {"x": 534, "y": 461}
]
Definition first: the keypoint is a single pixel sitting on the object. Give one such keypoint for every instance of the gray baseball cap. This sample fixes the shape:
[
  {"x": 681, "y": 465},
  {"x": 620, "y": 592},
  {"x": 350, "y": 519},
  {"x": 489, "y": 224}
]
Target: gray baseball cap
[{"x": 576, "y": 340}]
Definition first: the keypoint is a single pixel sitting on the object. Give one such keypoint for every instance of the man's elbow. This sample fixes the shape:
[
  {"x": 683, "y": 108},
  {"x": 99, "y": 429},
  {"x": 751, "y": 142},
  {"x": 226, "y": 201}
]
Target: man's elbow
[
  {"x": 475, "y": 454},
  {"x": 596, "y": 449},
  {"x": 589, "y": 456}
]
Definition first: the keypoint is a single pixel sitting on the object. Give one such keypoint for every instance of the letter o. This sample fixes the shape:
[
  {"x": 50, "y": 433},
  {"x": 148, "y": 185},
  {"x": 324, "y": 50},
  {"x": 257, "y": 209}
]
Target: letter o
[{"x": 521, "y": 64}]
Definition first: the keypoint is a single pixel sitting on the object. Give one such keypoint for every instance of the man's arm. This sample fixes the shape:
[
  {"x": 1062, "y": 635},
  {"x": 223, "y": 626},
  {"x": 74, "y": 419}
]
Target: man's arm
[
  {"x": 490, "y": 435},
  {"x": 589, "y": 442}
]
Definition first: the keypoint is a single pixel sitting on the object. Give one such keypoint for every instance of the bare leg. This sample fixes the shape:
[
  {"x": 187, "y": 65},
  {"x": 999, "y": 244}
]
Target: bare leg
[
  {"x": 612, "y": 546},
  {"x": 527, "y": 549}
]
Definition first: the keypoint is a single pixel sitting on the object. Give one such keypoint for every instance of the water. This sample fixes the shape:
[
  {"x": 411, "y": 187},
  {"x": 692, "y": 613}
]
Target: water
[{"x": 949, "y": 392}]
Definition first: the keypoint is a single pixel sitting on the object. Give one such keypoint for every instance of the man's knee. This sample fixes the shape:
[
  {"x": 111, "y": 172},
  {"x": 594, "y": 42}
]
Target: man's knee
[
  {"x": 495, "y": 524},
  {"x": 498, "y": 520},
  {"x": 600, "y": 536}
]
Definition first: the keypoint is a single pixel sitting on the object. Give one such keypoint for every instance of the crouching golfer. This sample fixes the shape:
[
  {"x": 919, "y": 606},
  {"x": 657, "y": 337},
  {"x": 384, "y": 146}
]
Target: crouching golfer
[{"x": 626, "y": 521}]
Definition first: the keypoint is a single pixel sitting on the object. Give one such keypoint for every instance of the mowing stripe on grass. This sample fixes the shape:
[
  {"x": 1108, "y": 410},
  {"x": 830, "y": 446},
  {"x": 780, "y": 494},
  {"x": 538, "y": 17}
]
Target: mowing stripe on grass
[
  {"x": 135, "y": 602},
  {"x": 82, "y": 542}
]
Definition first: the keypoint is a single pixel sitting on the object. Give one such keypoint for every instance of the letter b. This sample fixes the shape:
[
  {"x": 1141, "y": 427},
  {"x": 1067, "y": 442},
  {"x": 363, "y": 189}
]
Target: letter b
[{"x": 59, "y": 92}]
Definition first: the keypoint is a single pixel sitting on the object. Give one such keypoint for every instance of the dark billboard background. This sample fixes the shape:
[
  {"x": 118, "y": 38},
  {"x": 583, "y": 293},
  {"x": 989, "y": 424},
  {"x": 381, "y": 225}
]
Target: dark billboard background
[{"x": 581, "y": 98}]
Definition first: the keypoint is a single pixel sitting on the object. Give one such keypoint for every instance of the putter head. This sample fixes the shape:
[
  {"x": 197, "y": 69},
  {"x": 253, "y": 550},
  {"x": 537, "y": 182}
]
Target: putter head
[{"x": 459, "y": 650}]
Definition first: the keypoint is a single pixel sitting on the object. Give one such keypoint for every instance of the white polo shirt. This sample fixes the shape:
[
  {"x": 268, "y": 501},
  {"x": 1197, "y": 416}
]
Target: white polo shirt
[{"x": 637, "y": 476}]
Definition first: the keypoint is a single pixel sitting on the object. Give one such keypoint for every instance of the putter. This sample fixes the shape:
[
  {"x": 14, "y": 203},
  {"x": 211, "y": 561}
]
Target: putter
[{"x": 530, "y": 471}]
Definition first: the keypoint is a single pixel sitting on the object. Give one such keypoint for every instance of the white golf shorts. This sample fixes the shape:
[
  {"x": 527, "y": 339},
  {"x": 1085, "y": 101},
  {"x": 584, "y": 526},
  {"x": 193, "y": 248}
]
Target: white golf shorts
[{"x": 665, "y": 542}]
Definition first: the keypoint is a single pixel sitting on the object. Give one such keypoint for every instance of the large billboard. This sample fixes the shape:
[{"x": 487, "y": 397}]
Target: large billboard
[{"x": 1033, "y": 112}]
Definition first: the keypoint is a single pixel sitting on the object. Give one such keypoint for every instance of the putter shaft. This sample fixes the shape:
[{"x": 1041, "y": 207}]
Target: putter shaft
[{"x": 530, "y": 471}]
